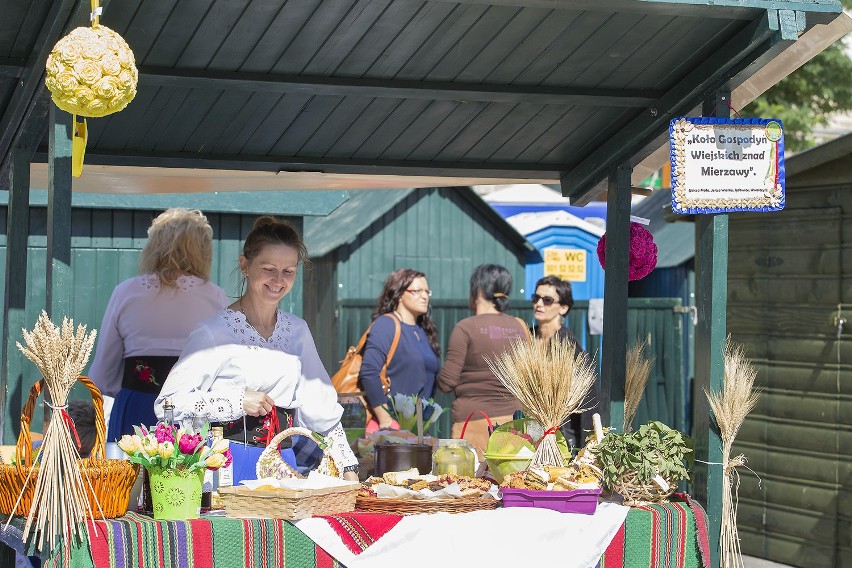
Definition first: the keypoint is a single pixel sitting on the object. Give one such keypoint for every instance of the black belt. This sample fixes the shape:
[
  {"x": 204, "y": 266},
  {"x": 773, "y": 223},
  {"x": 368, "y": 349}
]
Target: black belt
[
  {"x": 255, "y": 432},
  {"x": 146, "y": 373}
]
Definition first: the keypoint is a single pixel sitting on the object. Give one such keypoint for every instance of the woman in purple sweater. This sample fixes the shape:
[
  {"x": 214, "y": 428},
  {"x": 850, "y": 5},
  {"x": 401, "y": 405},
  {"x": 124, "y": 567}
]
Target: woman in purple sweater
[{"x": 415, "y": 363}]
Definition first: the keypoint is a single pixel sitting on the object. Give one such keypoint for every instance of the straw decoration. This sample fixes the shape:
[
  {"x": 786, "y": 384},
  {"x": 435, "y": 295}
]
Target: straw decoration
[
  {"x": 636, "y": 377},
  {"x": 59, "y": 503},
  {"x": 730, "y": 408},
  {"x": 551, "y": 381}
]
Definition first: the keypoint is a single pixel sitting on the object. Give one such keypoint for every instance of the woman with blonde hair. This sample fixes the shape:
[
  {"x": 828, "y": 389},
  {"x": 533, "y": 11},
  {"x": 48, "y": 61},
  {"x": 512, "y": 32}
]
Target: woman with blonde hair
[{"x": 149, "y": 317}]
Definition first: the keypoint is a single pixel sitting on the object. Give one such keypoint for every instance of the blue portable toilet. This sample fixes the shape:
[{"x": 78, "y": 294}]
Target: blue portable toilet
[{"x": 568, "y": 245}]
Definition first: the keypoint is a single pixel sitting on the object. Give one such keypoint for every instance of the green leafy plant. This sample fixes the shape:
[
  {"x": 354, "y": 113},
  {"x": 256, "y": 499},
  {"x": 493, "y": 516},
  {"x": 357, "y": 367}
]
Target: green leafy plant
[{"x": 654, "y": 449}]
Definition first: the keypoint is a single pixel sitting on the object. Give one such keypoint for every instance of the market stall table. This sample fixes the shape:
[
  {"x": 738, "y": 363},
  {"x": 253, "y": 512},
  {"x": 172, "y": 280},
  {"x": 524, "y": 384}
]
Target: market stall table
[{"x": 657, "y": 536}]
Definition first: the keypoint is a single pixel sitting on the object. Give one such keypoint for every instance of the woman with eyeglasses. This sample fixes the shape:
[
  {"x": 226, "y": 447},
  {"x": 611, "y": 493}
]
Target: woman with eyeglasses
[
  {"x": 488, "y": 333},
  {"x": 414, "y": 365},
  {"x": 551, "y": 303}
]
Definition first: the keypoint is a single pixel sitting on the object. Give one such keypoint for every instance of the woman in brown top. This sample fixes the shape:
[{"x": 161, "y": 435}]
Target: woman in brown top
[{"x": 489, "y": 333}]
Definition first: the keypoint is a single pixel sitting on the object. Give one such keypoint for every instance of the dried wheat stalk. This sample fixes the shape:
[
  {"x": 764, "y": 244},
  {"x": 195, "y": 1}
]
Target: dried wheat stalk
[
  {"x": 730, "y": 408},
  {"x": 59, "y": 504},
  {"x": 551, "y": 381},
  {"x": 636, "y": 377}
]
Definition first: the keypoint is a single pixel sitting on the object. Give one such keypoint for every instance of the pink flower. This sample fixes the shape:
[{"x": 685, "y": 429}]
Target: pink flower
[
  {"x": 228, "y": 457},
  {"x": 164, "y": 433},
  {"x": 188, "y": 444},
  {"x": 643, "y": 252}
]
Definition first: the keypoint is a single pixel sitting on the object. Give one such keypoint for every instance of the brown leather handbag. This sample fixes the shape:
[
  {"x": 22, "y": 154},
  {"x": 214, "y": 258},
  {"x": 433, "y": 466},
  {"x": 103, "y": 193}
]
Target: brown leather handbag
[{"x": 345, "y": 380}]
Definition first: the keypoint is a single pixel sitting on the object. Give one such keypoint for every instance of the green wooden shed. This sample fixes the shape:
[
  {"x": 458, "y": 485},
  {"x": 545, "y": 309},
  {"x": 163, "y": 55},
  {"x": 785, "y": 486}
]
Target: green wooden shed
[
  {"x": 443, "y": 232},
  {"x": 790, "y": 305}
]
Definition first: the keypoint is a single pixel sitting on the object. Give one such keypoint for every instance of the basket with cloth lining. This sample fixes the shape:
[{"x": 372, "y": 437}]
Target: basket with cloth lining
[
  {"x": 108, "y": 481},
  {"x": 290, "y": 504}
]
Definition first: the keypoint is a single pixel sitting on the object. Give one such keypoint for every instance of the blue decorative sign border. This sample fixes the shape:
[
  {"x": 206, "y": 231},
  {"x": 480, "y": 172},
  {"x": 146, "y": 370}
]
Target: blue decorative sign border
[{"x": 704, "y": 121}]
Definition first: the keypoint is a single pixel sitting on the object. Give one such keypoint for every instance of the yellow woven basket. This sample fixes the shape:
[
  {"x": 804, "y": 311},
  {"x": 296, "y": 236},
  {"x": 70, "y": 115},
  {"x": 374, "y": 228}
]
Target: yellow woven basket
[{"x": 108, "y": 482}]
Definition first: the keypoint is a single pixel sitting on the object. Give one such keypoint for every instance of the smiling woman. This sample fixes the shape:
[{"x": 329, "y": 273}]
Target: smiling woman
[{"x": 255, "y": 361}]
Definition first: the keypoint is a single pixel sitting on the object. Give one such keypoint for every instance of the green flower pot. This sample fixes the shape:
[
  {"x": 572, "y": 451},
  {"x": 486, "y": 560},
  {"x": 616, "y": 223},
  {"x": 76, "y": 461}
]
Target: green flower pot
[{"x": 175, "y": 493}]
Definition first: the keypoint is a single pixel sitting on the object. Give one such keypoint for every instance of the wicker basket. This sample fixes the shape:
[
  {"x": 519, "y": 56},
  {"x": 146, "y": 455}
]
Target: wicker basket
[
  {"x": 420, "y": 506},
  {"x": 287, "y": 504},
  {"x": 636, "y": 492},
  {"x": 108, "y": 482},
  {"x": 271, "y": 464}
]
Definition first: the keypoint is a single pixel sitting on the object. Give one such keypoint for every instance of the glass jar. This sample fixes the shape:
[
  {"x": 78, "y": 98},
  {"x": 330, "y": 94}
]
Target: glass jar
[{"x": 454, "y": 457}]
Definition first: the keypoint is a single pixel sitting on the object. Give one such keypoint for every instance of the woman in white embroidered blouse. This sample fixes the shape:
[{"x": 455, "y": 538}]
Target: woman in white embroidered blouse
[
  {"x": 253, "y": 357},
  {"x": 149, "y": 317}
]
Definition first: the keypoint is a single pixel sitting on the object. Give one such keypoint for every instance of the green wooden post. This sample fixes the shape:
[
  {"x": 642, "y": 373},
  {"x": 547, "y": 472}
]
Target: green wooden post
[
  {"x": 15, "y": 299},
  {"x": 615, "y": 297},
  {"x": 711, "y": 284},
  {"x": 59, "y": 282}
]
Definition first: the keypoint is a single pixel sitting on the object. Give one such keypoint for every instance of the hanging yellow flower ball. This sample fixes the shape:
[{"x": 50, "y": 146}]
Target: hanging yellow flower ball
[{"x": 91, "y": 72}]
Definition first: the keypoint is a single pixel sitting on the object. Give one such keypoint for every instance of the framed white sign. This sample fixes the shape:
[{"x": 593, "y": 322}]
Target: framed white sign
[{"x": 721, "y": 165}]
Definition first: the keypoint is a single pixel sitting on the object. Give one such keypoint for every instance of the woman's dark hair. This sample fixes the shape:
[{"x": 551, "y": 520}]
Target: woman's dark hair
[
  {"x": 563, "y": 289},
  {"x": 495, "y": 283},
  {"x": 395, "y": 286},
  {"x": 268, "y": 230}
]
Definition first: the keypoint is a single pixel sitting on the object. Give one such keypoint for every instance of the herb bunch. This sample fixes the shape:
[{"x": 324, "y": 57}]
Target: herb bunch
[{"x": 654, "y": 449}]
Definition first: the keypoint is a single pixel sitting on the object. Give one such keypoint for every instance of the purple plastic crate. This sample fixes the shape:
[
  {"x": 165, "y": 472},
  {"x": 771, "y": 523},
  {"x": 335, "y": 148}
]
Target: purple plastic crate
[{"x": 583, "y": 501}]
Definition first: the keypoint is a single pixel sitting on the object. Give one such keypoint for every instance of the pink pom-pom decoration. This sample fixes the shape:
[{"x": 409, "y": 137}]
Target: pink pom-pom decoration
[{"x": 643, "y": 252}]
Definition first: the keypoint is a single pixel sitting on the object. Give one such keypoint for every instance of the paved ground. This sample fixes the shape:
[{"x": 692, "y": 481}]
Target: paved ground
[{"x": 751, "y": 562}]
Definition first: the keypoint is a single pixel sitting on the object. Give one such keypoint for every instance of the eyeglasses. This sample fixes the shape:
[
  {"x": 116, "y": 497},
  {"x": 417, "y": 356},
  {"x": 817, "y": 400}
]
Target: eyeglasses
[
  {"x": 546, "y": 300},
  {"x": 424, "y": 292}
]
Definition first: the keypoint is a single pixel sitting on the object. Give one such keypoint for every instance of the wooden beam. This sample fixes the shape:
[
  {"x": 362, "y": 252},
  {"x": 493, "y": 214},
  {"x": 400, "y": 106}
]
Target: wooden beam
[
  {"x": 15, "y": 296},
  {"x": 756, "y": 39},
  {"x": 614, "y": 356},
  {"x": 394, "y": 88},
  {"x": 724, "y": 9},
  {"x": 59, "y": 282},
  {"x": 29, "y": 88},
  {"x": 711, "y": 291},
  {"x": 97, "y": 156}
]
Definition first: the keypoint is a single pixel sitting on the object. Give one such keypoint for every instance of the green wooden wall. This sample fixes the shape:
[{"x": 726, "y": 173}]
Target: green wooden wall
[
  {"x": 105, "y": 250},
  {"x": 789, "y": 277}
]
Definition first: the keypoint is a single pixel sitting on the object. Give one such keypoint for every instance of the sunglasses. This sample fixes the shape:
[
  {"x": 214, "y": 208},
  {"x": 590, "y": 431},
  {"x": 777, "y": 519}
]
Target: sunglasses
[{"x": 546, "y": 300}]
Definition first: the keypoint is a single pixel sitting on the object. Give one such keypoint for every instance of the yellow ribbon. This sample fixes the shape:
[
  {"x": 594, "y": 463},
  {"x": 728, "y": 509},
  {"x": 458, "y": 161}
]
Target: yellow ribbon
[
  {"x": 78, "y": 145},
  {"x": 96, "y": 13}
]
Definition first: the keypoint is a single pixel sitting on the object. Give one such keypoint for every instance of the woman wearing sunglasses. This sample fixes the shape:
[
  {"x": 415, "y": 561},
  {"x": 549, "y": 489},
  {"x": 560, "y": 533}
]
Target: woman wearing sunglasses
[
  {"x": 551, "y": 303},
  {"x": 489, "y": 333},
  {"x": 412, "y": 369}
]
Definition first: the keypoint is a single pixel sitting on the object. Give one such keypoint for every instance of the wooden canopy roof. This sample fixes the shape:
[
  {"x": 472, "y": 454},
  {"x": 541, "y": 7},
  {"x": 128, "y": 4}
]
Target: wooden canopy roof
[{"x": 544, "y": 90}]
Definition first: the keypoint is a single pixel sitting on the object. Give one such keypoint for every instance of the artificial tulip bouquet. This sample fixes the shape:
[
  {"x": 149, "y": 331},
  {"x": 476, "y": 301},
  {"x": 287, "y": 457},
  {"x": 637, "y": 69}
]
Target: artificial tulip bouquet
[{"x": 171, "y": 447}]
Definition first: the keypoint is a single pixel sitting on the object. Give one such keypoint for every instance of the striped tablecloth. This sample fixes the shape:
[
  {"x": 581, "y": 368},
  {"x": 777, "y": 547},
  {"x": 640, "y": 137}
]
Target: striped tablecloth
[{"x": 673, "y": 535}]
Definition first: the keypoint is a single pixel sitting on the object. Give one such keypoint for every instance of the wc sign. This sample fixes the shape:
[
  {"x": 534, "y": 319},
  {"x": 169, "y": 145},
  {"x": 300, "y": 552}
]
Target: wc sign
[{"x": 567, "y": 264}]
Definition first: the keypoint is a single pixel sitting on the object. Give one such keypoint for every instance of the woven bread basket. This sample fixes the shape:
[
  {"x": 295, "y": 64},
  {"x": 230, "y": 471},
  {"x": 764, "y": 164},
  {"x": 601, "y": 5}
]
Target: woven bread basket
[
  {"x": 108, "y": 482},
  {"x": 419, "y": 506},
  {"x": 288, "y": 504}
]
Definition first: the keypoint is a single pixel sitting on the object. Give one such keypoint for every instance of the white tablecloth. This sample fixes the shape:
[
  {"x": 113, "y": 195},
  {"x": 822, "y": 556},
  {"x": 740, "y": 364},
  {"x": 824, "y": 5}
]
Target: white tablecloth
[{"x": 508, "y": 537}]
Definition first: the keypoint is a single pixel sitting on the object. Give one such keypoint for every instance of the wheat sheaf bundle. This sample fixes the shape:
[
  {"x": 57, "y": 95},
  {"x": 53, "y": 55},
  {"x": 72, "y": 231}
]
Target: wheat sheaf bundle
[
  {"x": 551, "y": 381},
  {"x": 59, "y": 503},
  {"x": 730, "y": 407},
  {"x": 637, "y": 370}
]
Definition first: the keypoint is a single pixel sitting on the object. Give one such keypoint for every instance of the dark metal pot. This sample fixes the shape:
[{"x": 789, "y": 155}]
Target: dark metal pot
[{"x": 402, "y": 457}]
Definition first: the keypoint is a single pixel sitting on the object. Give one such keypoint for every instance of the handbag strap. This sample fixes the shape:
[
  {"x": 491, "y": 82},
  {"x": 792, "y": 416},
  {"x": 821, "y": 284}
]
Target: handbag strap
[{"x": 391, "y": 351}]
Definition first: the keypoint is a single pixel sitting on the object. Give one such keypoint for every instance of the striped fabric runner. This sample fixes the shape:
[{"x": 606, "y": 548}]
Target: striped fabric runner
[
  {"x": 671, "y": 535},
  {"x": 360, "y": 530},
  {"x": 213, "y": 542}
]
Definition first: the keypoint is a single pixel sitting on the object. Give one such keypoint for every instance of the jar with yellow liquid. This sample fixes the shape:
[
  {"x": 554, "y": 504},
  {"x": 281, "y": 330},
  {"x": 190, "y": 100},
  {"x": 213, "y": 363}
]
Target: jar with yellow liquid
[{"x": 454, "y": 457}]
